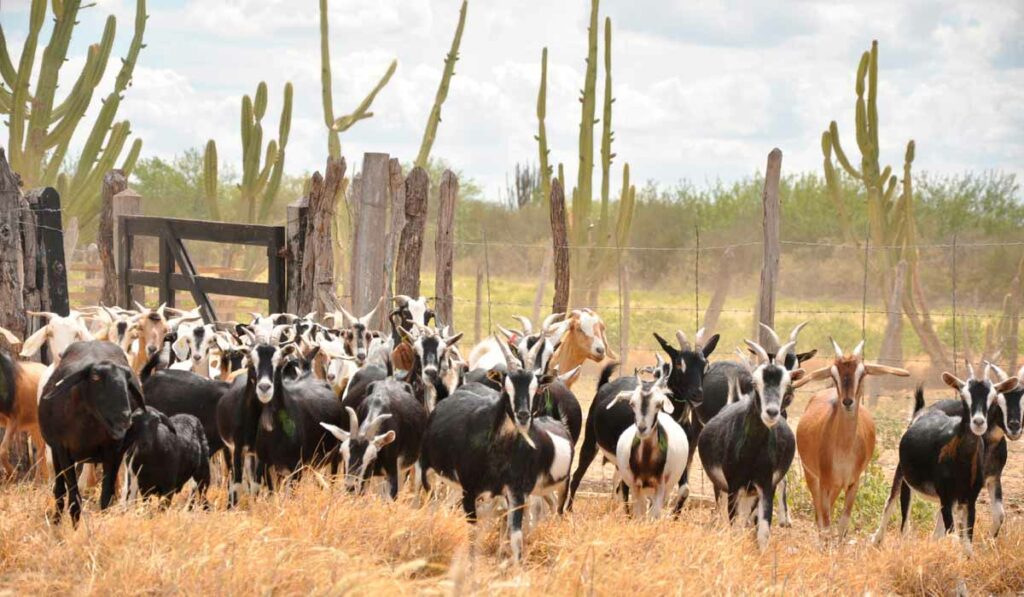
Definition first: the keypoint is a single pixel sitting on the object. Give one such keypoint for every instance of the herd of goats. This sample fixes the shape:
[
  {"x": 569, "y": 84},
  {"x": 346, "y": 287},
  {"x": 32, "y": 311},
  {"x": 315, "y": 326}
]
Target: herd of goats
[{"x": 162, "y": 392}]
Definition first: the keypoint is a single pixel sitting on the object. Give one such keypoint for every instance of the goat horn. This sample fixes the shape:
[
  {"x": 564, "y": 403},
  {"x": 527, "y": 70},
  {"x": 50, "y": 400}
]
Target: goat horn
[
  {"x": 47, "y": 314},
  {"x": 986, "y": 372},
  {"x": 970, "y": 370},
  {"x": 346, "y": 317},
  {"x": 771, "y": 333},
  {"x": 508, "y": 333},
  {"x": 353, "y": 421},
  {"x": 374, "y": 426},
  {"x": 526, "y": 323},
  {"x": 513, "y": 363},
  {"x": 835, "y": 346},
  {"x": 1000, "y": 374},
  {"x": 780, "y": 356},
  {"x": 10, "y": 337},
  {"x": 551, "y": 320},
  {"x": 141, "y": 307},
  {"x": 365, "y": 319},
  {"x": 684, "y": 344},
  {"x": 762, "y": 354},
  {"x": 658, "y": 360},
  {"x": 859, "y": 349},
  {"x": 698, "y": 340},
  {"x": 796, "y": 331},
  {"x": 531, "y": 357}
]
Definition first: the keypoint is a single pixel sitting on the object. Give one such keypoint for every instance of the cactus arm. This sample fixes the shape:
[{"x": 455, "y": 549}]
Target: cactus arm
[
  {"x": 86, "y": 195},
  {"x": 210, "y": 179},
  {"x": 259, "y": 104},
  {"x": 273, "y": 185},
  {"x": 627, "y": 207},
  {"x": 833, "y": 135},
  {"x": 582, "y": 199},
  {"x": 542, "y": 135},
  {"x": 606, "y": 135},
  {"x": 7, "y": 73},
  {"x": 285, "y": 125},
  {"x": 128, "y": 165},
  {"x": 20, "y": 90},
  {"x": 834, "y": 190},
  {"x": 362, "y": 110},
  {"x": 76, "y": 104},
  {"x": 333, "y": 142},
  {"x": 269, "y": 160},
  {"x": 872, "y": 115},
  {"x": 442, "y": 92},
  {"x": 89, "y": 78}
]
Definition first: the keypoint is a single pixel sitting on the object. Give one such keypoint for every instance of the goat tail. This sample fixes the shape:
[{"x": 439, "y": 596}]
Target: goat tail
[
  {"x": 918, "y": 401},
  {"x": 606, "y": 374}
]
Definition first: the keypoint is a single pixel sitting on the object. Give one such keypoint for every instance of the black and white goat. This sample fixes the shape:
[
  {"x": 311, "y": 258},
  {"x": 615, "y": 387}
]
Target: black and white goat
[
  {"x": 490, "y": 443},
  {"x": 84, "y": 414},
  {"x": 652, "y": 452},
  {"x": 435, "y": 371},
  {"x": 942, "y": 455},
  {"x": 388, "y": 441},
  {"x": 164, "y": 453},
  {"x": 747, "y": 448},
  {"x": 355, "y": 331},
  {"x": 407, "y": 314}
]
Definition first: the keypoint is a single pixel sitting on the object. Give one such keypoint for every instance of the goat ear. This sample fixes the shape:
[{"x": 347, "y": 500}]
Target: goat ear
[
  {"x": 796, "y": 375},
  {"x": 384, "y": 439},
  {"x": 336, "y": 431},
  {"x": 133, "y": 386},
  {"x": 709, "y": 346},
  {"x": 667, "y": 407},
  {"x": 68, "y": 383},
  {"x": 34, "y": 342},
  {"x": 167, "y": 421},
  {"x": 180, "y": 348},
  {"x": 452, "y": 340},
  {"x": 671, "y": 350},
  {"x": 876, "y": 369},
  {"x": 822, "y": 373},
  {"x": 619, "y": 396},
  {"x": 952, "y": 381},
  {"x": 806, "y": 356},
  {"x": 1006, "y": 385},
  {"x": 570, "y": 375}
]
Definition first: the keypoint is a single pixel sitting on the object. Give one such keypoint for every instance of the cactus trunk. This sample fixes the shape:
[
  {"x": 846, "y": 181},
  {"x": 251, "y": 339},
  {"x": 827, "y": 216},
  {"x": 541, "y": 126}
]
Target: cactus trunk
[
  {"x": 542, "y": 136},
  {"x": 442, "y": 92}
]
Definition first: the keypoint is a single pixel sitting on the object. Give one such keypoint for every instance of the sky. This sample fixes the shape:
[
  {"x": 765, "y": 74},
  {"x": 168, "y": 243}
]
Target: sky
[{"x": 703, "y": 89}]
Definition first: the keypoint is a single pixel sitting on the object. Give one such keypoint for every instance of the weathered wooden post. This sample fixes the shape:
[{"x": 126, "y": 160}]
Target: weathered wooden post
[
  {"x": 12, "y": 306},
  {"x": 317, "y": 286},
  {"x": 50, "y": 281},
  {"x": 396, "y": 189},
  {"x": 560, "y": 248},
  {"x": 369, "y": 245},
  {"x": 410, "y": 249},
  {"x": 444, "y": 249},
  {"x": 295, "y": 233},
  {"x": 128, "y": 203},
  {"x": 113, "y": 183},
  {"x": 772, "y": 248}
]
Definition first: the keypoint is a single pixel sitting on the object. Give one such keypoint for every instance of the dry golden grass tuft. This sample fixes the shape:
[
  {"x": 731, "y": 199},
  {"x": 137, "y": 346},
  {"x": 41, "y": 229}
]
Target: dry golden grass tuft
[{"x": 325, "y": 541}]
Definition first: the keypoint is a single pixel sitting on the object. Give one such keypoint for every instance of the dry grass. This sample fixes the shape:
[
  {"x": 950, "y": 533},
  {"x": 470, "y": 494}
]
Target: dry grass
[{"x": 323, "y": 541}]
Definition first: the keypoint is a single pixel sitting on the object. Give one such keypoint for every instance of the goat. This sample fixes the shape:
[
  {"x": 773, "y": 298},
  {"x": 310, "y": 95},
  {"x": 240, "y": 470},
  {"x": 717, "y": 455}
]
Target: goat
[
  {"x": 84, "y": 415},
  {"x": 58, "y": 333},
  {"x": 165, "y": 452},
  {"x": 19, "y": 410},
  {"x": 184, "y": 393},
  {"x": 652, "y": 452},
  {"x": 152, "y": 327},
  {"x": 581, "y": 338},
  {"x": 836, "y": 434},
  {"x": 388, "y": 441},
  {"x": 490, "y": 444},
  {"x": 433, "y": 364},
  {"x": 194, "y": 347},
  {"x": 727, "y": 381},
  {"x": 747, "y": 448},
  {"x": 356, "y": 331},
  {"x": 487, "y": 354},
  {"x": 408, "y": 312},
  {"x": 943, "y": 456},
  {"x": 340, "y": 367}
]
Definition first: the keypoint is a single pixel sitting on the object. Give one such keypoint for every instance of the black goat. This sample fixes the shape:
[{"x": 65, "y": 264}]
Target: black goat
[
  {"x": 388, "y": 441},
  {"x": 84, "y": 414},
  {"x": 490, "y": 444},
  {"x": 165, "y": 452},
  {"x": 747, "y": 448},
  {"x": 182, "y": 392},
  {"x": 943, "y": 456}
]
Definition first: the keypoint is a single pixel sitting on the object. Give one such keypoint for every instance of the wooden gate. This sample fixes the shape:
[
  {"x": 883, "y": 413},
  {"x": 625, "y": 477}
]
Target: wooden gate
[{"x": 177, "y": 272}]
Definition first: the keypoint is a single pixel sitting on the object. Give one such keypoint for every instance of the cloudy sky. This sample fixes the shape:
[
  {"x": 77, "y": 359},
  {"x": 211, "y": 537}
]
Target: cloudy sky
[{"x": 704, "y": 89}]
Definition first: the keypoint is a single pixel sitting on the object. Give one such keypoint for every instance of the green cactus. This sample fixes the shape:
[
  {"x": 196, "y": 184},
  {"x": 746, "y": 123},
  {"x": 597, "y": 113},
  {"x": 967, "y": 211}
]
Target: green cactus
[
  {"x": 542, "y": 136},
  {"x": 434, "y": 119},
  {"x": 210, "y": 179},
  {"x": 40, "y": 129},
  {"x": 891, "y": 222},
  {"x": 259, "y": 185},
  {"x": 581, "y": 195},
  {"x": 362, "y": 111}
]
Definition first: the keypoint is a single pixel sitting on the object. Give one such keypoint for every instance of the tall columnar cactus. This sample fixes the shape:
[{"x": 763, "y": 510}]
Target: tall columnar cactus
[
  {"x": 335, "y": 126},
  {"x": 210, "y": 180},
  {"x": 581, "y": 195},
  {"x": 40, "y": 129},
  {"x": 542, "y": 135},
  {"x": 259, "y": 185},
  {"x": 442, "y": 92},
  {"x": 890, "y": 217}
]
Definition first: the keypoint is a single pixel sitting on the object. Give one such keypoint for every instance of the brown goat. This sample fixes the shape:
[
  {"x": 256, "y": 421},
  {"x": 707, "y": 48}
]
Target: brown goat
[
  {"x": 836, "y": 436},
  {"x": 22, "y": 412}
]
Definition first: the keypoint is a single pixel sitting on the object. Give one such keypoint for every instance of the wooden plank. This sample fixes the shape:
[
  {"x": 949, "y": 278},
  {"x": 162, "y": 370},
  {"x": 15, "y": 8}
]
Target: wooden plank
[
  {"x": 410, "y": 248},
  {"x": 181, "y": 257},
  {"x": 297, "y": 212},
  {"x": 276, "y": 273},
  {"x": 318, "y": 289},
  {"x": 128, "y": 203},
  {"x": 33, "y": 278},
  {"x": 215, "y": 232},
  {"x": 113, "y": 183},
  {"x": 222, "y": 286},
  {"x": 560, "y": 248},
  {"x": 166, "y": 269},
  {"x": 772, "y": 209},
  {"x": 369, "y": 248},
  {"x": 51, "y": 234},
  {"x": 12, "y": 303},
  {"x": 444, "y": 249},
  {"x": 124, "y": 250},
  {"x": 396, "y": 186}
]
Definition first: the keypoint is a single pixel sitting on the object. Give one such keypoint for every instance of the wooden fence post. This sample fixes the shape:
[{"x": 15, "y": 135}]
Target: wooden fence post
[
  {"x": 772, "y": 248},
  {"x": 318, "y": 291},
  {"x": 51, "y": 254},
  {"x": 368, "y": 248},
  {"x": 560, "y": 248},
  {"x": 295, "y": 232},
  {"x": 396, "y": 188},
  {"x": 410, "y": 249},
  {"x": 113, "y": 183},
  {"x": 128, "y": 203},
  {"x": 444, "y": 249},
  {"x": 12, "y": 305}
]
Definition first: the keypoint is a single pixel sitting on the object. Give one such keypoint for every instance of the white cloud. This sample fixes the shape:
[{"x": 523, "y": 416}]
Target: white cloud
[{"x": 703, "y": 90}]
